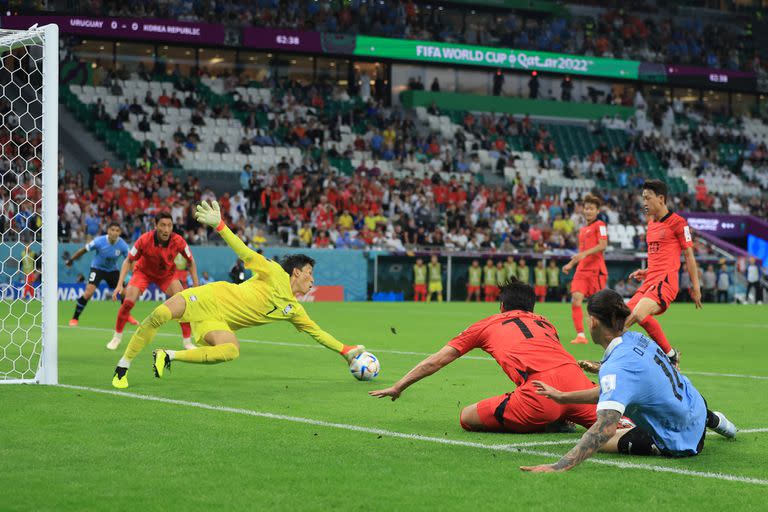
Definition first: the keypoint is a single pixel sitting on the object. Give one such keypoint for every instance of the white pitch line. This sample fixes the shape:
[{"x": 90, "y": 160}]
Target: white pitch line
[
  {"x": 407, "y": 353},
  {"x": 439, "y": 440}
]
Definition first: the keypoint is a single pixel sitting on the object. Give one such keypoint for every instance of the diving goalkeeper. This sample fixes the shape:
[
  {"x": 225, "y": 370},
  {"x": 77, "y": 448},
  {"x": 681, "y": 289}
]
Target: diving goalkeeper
[{"x": 216, "y": 310}]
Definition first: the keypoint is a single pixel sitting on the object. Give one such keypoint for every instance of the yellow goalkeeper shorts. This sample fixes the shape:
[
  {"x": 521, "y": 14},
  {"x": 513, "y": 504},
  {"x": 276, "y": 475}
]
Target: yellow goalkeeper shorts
[
  {"x": 435, "y": 287},
  {"x": 203, "y": 312}
]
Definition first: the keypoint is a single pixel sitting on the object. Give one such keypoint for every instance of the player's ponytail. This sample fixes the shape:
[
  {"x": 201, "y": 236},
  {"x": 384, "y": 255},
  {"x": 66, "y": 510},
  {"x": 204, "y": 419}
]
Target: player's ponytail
[{"x": 609, "y": 307}]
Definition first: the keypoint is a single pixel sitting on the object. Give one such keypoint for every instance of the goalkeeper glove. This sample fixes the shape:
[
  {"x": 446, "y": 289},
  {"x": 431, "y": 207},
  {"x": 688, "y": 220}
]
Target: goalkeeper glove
[
  {"x": 208, "y": 214},
  {"x": 351, "y": 351}
]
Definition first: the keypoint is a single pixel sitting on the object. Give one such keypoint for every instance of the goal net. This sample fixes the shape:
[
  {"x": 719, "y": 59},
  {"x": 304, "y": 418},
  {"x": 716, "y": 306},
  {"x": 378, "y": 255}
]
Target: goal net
[{"x": 29, "y": 71}]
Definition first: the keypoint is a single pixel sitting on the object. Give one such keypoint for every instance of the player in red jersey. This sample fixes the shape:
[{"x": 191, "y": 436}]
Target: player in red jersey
[
  {"x": 527, "y": 347},
  {"x": 152, "y": 259},
  {"x": 591, "y": 273},
  {"x": 667, "y": 236}
]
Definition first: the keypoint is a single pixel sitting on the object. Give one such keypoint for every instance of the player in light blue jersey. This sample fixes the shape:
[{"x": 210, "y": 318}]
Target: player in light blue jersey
[
  {"x": 109, "y": 251},
  {"x": 636, "y": 380}
]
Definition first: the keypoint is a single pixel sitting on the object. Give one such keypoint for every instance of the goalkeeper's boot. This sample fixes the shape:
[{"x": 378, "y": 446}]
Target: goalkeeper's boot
[
  {"x": 351, "y": 351},
  {"x": 73, "y": 322},
  {"x": 120, "y": 380},
  {"x": 132, "y": 320},
  {"x": 160, "y": 361},
  {"x": 590, "y": 366},
  {"x": 724, "y": 426},
  {"x": 580, "y": 339}
]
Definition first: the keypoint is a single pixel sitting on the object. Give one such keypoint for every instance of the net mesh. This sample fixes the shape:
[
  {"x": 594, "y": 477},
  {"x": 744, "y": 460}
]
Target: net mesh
[{"x": 21, "y": 145}]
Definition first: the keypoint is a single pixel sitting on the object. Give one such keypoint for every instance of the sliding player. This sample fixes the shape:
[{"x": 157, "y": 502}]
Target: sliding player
[
  {"x": 636, "y": 379},
  {"x": 151, "y": 259},
  {"x": 591, "y": 273},
  {"x": 108, "y": 250},
  {"x": 218, "y": 309},
  {"x": 527, "y": 347}
]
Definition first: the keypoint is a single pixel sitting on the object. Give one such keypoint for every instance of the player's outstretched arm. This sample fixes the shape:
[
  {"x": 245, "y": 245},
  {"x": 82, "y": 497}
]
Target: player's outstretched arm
[
  {"x": 592, "y": 440},
  {"x": 583, "y": 396},
  {"x": 303, "y": 323},
  {"x": 75, "y": 256},
  {"x": 210, "y": 215},
  {"x": 427, "y": 367}
]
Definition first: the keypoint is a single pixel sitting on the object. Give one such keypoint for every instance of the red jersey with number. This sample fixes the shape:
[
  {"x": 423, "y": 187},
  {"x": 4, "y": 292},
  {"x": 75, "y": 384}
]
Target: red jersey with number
[
  {"x": 155, "y": 258},
  {"x": 666, "y": 240},
  {"x": 589, "y": 237},
  {"x": 522, "y": 343}
]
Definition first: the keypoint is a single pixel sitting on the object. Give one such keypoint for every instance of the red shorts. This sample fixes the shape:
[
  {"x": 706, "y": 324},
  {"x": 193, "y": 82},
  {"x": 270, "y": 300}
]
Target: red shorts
[
  {"x": 472, "y": 289},
  {"x": 540, "y": 289},
  {"x": 588, "y": 283},
  {"x": 523, "y": 411},
  {"x": 491, "y": 290},
  {"x": 141, "y": 281},
  {"x": 420, "y": 288},
  {"x": 660, "y": 292},
  {"x": 181, "y": 275}
]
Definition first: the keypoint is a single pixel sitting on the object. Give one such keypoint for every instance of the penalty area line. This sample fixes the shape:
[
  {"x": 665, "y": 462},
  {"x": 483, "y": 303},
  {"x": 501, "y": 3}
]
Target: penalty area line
[
  {"x": 402, "y": 352},
  {"x": 521, "y": 448}
]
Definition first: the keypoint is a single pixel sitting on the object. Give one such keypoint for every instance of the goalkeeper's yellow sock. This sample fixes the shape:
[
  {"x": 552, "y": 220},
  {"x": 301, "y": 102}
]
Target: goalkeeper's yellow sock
[
  {"x": 206, "y": 355},
  {"x": 145, "y": 333}
]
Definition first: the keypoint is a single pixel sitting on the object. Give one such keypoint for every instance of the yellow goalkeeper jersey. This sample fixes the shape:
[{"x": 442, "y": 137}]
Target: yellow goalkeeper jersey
[{"x": 264, "y": 298}]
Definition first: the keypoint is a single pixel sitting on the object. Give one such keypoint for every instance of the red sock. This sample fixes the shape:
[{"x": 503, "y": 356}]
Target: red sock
[
  {"x": 123, "y": 314},
  {"x": 653, "y": 328},
  {"x": 186, "y": 330},
  {"x": 578, "y": 318}
]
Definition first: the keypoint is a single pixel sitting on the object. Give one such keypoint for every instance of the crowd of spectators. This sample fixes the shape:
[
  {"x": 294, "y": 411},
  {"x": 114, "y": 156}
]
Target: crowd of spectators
[{"x": 652, "y": 34}]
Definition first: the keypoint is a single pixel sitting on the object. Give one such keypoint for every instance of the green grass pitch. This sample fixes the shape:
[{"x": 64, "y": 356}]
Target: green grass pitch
[{"x": 286, "y": 427}]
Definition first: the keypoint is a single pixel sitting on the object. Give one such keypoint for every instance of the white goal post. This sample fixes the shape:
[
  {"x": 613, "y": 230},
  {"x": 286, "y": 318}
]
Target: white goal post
[{"x": 29, "y": 157}]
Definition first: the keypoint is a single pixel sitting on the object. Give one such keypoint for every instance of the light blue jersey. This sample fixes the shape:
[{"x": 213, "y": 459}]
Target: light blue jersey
[
  {"x": 107, "y": 255},
  {"x": 637, "y": 379}
]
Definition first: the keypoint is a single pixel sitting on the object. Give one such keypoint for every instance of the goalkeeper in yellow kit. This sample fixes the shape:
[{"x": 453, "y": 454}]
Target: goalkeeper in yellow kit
[{"x": 216, "y": 310}]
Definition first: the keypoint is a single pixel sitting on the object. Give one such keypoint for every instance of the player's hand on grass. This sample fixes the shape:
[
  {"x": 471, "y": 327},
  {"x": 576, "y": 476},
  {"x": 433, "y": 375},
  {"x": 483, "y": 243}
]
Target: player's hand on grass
[
  {"x": 117, "y": 292},
  {"x": 639, "y": 274},
  {"x": 208, "y": 214},
  {"x": 543, "y": 468},
  {"x": 696, "y": 297},
  {"x": 391, "y": 392},
  {"x": 547, "y": 391}
]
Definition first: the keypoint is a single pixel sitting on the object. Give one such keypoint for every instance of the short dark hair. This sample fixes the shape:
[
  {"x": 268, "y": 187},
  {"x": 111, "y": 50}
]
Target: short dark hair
[
  {"x": 517, "y": 295},
  {"x": 658, "y": 187},
  {"x": 592, "y": 199},
  {"x": 295, "y": 261},
  {"x": 114, "y": 224},
  {"x": 609, "y": 308},
  {"x": 163, "y": 215}
]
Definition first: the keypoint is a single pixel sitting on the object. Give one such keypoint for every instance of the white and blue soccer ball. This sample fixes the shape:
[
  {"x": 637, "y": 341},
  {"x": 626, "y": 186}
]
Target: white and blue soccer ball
[{"x": 364, "y": 366}]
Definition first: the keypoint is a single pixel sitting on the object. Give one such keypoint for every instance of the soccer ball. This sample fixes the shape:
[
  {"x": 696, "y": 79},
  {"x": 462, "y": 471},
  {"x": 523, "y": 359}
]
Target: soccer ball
[{"x": 364, "y": 366}]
